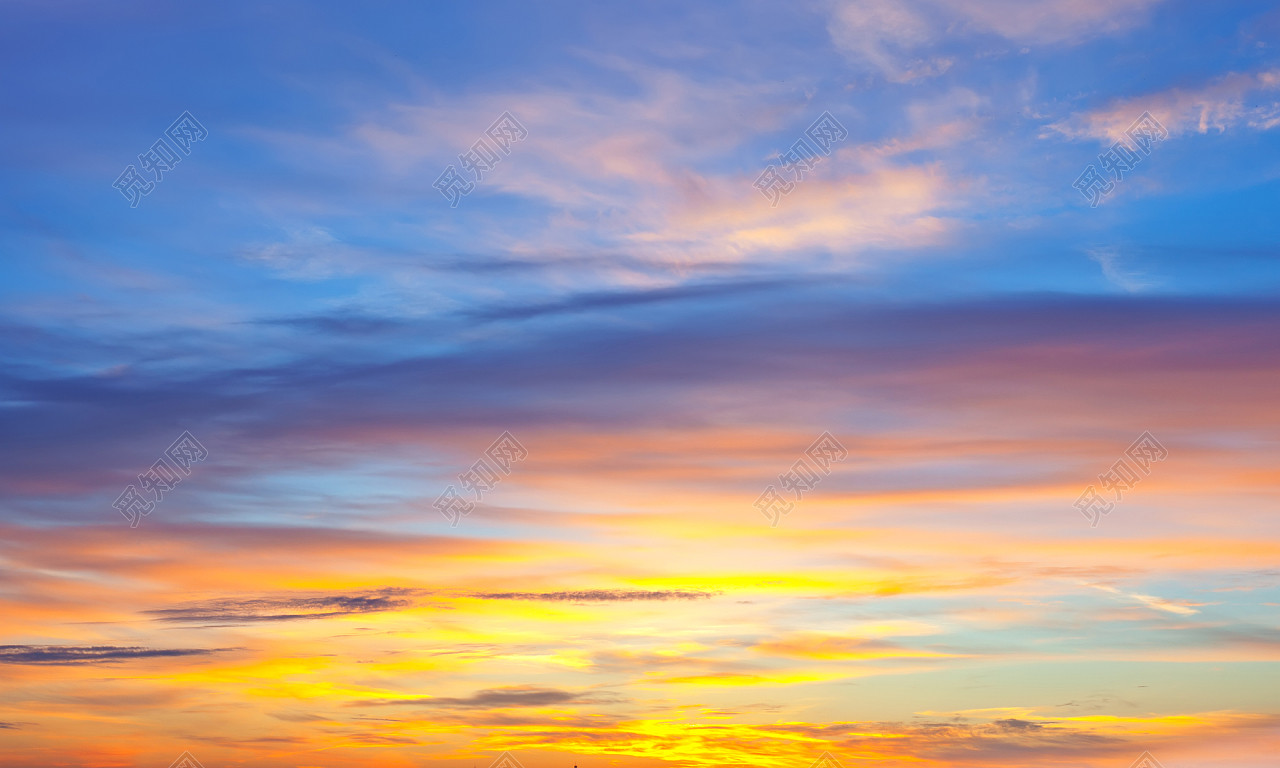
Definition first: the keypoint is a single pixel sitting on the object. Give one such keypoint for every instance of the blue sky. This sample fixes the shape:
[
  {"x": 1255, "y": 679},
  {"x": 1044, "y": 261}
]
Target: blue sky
[{"x": 617, "y": 294}]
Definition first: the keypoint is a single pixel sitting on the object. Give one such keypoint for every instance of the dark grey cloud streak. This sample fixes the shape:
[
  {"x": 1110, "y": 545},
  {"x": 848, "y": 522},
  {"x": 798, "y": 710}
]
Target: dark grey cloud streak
[
  {"x": 236, "y": 611},
  {"x": 91, "y": 654}
]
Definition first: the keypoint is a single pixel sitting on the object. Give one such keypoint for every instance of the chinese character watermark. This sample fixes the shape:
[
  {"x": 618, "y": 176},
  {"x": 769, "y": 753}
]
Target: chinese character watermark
[
  {"x": 163, "y": 476},
  {"x": 482, "y": 157},
  {"x": 1120, "y": 477},
  {"x": 801, "y": 477},
  {"x": 484, "y": 475},
  {"x": 1120, "y": 159},
  {"x": 800, "y": 158},
  {"x": 162, "y": 157}
]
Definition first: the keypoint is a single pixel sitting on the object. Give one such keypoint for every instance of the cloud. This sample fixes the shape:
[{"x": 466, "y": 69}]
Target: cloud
[
  {"x": 1232, "y": 101},
  {"x": 1014, "y": 724},
  {"x": 1109, "y": 260},
  {"x": 91, "y": 654},
  {"x": 341, "y": 323},
  {"x": 1180, "y": 608},
  {"x": 886, "y": 34},
  {"x": 235, "y": 610},
  {"x": 828, "y": 646},
  {"x": 602, "y": 595},
  {"x": 654, "y": 170},
  {"x": 620, "y": 299},
  {"x": 494, "y": 698},
  {"x": 952, "y": 743},
  {"x": 909, "y": 39},
  {"x": 298, "y": 717},
  {"x": 1038, "y": 22},
  {"x": 650, "y": 364}
]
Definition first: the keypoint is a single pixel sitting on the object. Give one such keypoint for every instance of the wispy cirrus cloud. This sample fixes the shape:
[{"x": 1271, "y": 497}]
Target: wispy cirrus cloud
[
  {"x": 1237, "y": 100},
  {"x": 1114, "y": 271},
  {"x": 909, "y": 39},
  {"x": 1177, "y": 607},
  {"x": 660, "y": 170}
]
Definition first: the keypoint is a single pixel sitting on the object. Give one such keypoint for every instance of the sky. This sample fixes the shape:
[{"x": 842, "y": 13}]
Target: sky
[{"x": 857, "y": 383}]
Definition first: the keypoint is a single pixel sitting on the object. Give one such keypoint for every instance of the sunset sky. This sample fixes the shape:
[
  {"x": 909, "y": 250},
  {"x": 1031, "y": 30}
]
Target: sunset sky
[{"x": 704, "y": 235}]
